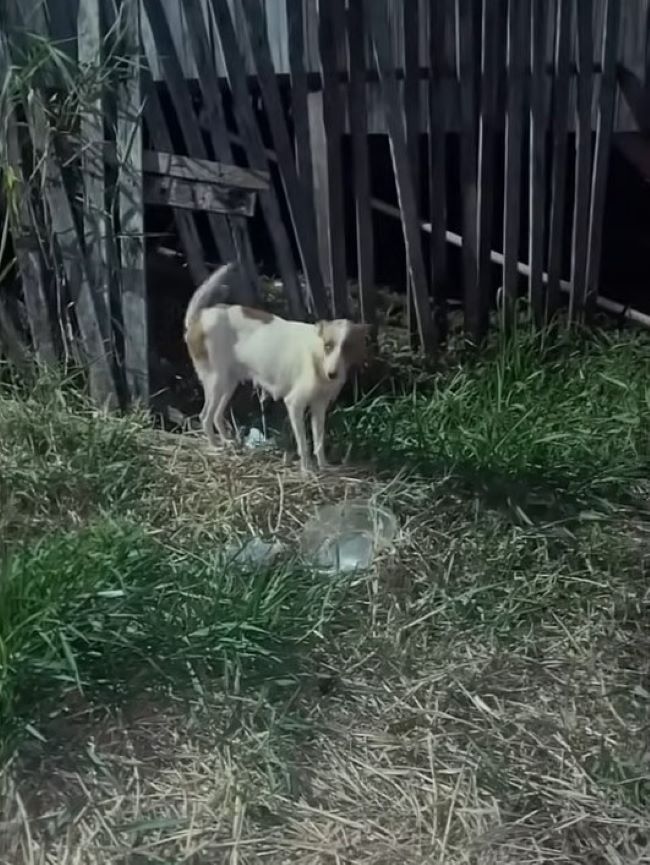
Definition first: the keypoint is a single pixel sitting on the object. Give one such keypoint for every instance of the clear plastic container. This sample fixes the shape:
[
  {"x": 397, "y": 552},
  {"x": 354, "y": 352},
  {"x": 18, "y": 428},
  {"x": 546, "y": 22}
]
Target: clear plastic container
[{"x": 347, "y": 536}]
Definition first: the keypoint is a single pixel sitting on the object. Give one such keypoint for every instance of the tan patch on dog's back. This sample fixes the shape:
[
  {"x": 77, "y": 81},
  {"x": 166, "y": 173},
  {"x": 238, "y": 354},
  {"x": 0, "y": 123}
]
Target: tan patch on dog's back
[
  {"x": 257, "y": 314},
  {"x": 195, "y": 341}
]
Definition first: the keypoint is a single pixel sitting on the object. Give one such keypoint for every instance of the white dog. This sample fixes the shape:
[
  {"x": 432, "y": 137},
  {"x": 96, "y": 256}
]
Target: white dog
[{"x": 303, "y": 364}]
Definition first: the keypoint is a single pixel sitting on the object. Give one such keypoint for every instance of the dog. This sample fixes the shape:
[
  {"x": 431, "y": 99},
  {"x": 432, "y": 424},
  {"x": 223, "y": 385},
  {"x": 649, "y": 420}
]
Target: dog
[{"x": 305, "y": 365}]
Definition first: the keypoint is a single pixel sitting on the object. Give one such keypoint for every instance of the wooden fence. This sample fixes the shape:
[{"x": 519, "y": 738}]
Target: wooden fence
[{"x": 503, "y": 81}]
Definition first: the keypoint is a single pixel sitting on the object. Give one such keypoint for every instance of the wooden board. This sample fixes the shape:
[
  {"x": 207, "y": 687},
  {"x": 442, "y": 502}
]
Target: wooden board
[
  {"x": 298, "y": 199},
  {"x": 26, "y": 248},
  {"x": 468, "y": 164},
  {"x": 604, "y": 129},
  {"x": 357, "y": 109},
  {"x": 331, "y": 163},
  {"x": 583, "y": 161},
  {"x": 254, "y": 147},
  {"x": 376, "y": 15},
  {"x": 560, "y": 114},
  {"x": 185, "y": 222},
  {"x": 202, "y": 197},
  {"x": 217, "y": 128},
  {"x": 204, "y": 171},
  {"x": 182, "y": 101},
  {"x": 438, "y": 15},
  {"x": 492, "y": 50},
  {"x": 411, "y": 24},
  {"x": 96, "y": 219},
  {"x": 128, "y": 137},
  {"x": 518, "y": 23},
  {"x": 95, "y": 350},
  {"x": 300, "y": 116},
  {"x": 537, "y": 161}
]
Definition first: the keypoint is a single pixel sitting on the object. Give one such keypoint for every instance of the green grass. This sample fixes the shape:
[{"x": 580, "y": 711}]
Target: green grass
[
  {"x": 62, "y": 462},
  {"x": 569, "y": 417},
  {"x": 486, "y": 687},
  {"x": 109, "y": 611}
]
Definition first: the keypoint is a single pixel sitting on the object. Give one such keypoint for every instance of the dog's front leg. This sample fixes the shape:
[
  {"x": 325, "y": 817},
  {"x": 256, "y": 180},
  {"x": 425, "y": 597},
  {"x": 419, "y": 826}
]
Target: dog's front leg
[
  {"x": 296, "y": 412},
  {"x": 318, "y": 411}
]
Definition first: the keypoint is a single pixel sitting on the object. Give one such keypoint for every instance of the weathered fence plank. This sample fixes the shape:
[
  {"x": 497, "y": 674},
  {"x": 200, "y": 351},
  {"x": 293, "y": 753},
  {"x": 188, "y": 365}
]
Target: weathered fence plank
[
  {"x": 357, "y": 111},
  {"x": 411, "y": 25},
  {"x": 299, "y": 203},
  {"x": 182, "y": 101},
  {"x": 604, "y": 129},
  {"x": 376, "y": 14},
  {"x": 299, "y": 112},
  {"x": 518, "y": 23},
  {"x": 331, "y": 166},
  {"x": 491, "y": 66},
  {"x": 204, "y": 171},
  {"x": 161, "y": 138},
  {"x": 12, "y": 347},
  {"x": 91, "y": 131},
  {"x": 438, "y": 14},
  {"x": 583, "y": 160},
  {"x": 560, "y": 117},
  {"x": 100, "y": 375},
  {"x": 128, "y": 145},
  {"x": 468, "y": 162},
  {"x": 198, "y": 196},
  {"x": 218, "y": 130},
  {"x": 537, "y": 161},
  {"x": 255, "y": 152}
]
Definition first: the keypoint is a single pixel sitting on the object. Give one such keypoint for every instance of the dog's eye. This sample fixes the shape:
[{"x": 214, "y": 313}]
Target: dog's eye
[{"x": 329, "y": 346}]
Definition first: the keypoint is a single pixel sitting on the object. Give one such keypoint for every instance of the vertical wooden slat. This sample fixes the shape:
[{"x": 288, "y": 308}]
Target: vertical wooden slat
[
  {"x": 376, "y": 13},
  {"x": 357, "y": 111},
  {"x": 465, "y": 51},
  {"x": 331, "y": 167},
  {"x": 217, "y": 128},
  {"x": 537, "y": 164},
  {"x": 131, "y": 207},
  {"x": 28, "y": 256},
  {"x": 518, "y": 28},
  {"x": 182, "y": 101},
  {"x": 411, "y": 24},
  {"x": 560, "y": 116},
  {"x": 22, "y": 231},
  {"x": 12, "y": 347},
  {"x": 91, "y": 133},
  {"x": 438, "y": 118},
  {"x": 299, "y": 203},
  {"x": 254, "y": 147},
  {"x": 100, "y": 374},
  {"x": 296, "y": 40},
  {"x": 161, "y": 140},
  {"x": 491, "y": 64},
  {"x": 583, "y": 160},
  {"x": 604, "y": 128}
]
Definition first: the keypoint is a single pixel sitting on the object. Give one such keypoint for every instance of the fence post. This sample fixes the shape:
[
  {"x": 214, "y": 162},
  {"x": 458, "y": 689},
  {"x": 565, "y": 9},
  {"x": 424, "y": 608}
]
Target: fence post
[{"x": 131, "y": 206}]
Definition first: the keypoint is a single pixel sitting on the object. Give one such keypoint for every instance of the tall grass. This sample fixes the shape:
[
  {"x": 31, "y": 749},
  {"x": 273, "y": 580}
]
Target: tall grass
[
  {"x": 63, "y": 462},
  {"x": 110, "y": 611},
  {"x": 570, "y": 415}
]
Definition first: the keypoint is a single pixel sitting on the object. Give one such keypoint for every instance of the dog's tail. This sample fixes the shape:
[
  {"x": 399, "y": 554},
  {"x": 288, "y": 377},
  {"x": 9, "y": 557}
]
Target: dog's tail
[{"x": 219, "y": 287}]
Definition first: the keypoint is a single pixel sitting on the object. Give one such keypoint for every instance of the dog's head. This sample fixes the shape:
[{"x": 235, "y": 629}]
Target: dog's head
[{"x": 344, "y": 346}]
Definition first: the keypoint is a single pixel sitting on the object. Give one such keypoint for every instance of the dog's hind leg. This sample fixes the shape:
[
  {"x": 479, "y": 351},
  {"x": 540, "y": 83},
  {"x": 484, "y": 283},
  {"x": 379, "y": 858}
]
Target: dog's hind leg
[
  {"x": 296, "y": 411},
  {"x": 217, "y": 395}
]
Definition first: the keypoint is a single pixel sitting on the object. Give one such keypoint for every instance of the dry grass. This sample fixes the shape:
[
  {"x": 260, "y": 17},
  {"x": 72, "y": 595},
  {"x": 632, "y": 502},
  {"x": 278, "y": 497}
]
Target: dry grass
[{"x": 480, "y": 697}]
